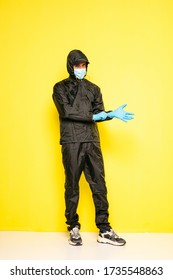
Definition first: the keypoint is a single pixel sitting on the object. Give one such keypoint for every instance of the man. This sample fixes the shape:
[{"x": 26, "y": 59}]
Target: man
[{"x": 80, "y": 106}]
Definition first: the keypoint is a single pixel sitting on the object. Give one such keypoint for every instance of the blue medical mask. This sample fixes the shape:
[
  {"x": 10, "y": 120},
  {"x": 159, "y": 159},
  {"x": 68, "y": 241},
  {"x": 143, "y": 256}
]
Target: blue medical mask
[{"x": 80, "y": 73}]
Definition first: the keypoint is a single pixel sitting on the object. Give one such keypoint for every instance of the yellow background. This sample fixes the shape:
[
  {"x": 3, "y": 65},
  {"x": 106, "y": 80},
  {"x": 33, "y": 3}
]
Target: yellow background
[{"x": 129, "y": 44}]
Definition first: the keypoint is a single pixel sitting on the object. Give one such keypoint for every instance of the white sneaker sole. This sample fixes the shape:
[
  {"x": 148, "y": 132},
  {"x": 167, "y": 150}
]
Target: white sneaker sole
[
  {"x": 108, "y": 241},
  {"x": 74, "y": 243}
]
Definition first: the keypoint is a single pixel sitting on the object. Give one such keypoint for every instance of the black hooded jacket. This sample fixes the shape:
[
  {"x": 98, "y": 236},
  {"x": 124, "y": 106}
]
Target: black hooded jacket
[{"x": 77, "y": 101}]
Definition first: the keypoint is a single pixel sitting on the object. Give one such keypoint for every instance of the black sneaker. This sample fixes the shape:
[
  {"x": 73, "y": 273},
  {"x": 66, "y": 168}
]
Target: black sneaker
[
  {"x": 75, "y": 238},
  {"x": 110, "y": 237}
]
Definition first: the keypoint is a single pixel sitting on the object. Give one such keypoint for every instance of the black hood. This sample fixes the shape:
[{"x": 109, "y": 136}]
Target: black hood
[{"x": 74, "y": 58}]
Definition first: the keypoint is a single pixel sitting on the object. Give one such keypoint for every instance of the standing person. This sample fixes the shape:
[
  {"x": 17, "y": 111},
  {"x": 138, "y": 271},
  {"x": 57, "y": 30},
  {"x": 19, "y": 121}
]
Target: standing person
[{"x": 80, "y": 106}]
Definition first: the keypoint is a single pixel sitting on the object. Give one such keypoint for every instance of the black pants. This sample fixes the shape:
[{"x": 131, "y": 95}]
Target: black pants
[{"x": 87, "y": 157}]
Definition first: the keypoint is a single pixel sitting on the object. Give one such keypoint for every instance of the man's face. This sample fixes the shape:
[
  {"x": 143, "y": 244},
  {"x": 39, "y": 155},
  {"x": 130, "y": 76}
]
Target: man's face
[{"x": 80, "y": 66}]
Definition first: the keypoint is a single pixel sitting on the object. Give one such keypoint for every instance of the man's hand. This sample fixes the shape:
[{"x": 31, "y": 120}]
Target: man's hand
[{"x": 100, "y": 116}]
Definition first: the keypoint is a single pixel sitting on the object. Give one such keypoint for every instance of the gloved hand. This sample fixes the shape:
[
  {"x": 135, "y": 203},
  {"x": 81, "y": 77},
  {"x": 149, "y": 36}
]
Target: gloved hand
[
  {"x": 119, "y": 113},
  {"x": 100, "y": 116}
]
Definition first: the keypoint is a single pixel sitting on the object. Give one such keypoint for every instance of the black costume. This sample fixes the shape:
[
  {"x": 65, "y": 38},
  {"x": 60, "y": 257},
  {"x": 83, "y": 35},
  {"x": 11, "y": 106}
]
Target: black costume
[{"x": 77, "y": 101}]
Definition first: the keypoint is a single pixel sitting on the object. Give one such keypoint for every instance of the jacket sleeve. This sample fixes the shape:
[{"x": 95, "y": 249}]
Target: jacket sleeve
[
  {"x": 65, "y": 109},
  {"x": 98, "y": 105}
]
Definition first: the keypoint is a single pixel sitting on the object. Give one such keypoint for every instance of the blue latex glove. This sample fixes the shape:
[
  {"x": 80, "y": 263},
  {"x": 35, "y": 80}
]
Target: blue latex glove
[
  {"x": 100, "y": 116},
  {"x": 119, "y": 113}
]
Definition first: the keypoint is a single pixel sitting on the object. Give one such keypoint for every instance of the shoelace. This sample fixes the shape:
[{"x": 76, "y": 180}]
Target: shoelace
[
  {"x": 113, "y": 234},
  {"x": 76, "y": 232}
]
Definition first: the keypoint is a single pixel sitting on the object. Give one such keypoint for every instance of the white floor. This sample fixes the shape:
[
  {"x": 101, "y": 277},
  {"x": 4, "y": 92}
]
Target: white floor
[{"x": 54, "y": 246}]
